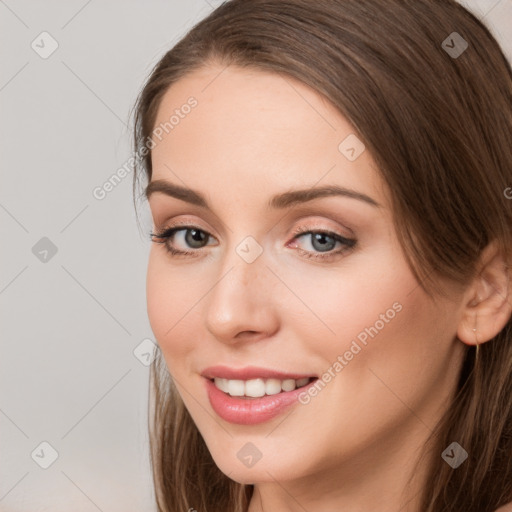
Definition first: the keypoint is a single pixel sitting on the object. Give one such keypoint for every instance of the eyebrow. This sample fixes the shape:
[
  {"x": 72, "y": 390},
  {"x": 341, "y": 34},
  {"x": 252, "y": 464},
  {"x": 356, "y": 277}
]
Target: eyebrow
[{"x": 278, "y": 201}]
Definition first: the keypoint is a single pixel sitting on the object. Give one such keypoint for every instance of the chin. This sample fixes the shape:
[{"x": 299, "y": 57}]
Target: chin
[{"x": 266, "y": 469}]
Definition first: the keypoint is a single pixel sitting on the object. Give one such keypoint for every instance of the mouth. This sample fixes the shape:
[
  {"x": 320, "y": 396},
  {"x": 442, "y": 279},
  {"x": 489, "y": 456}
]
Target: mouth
[
  {"x": 259, "y": 387},
  {"x": 251, "y": 396}
]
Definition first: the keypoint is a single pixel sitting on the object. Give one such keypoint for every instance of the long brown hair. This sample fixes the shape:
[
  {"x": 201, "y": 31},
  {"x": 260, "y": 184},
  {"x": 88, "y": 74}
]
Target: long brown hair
[{"x": 439, "y": 126}]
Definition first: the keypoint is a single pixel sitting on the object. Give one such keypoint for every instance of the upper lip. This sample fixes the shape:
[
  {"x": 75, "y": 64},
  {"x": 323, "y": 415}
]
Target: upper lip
[{"x": 249, "y": 372}]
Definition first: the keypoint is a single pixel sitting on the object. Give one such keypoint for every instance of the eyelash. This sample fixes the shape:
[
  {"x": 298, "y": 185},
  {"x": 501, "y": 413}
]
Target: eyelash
[{"x": 163, "y": 236}]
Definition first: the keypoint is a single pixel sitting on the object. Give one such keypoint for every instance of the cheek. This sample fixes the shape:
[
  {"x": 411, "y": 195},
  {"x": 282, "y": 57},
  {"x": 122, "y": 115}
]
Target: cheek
[
  {"x": 391, "y": 341},
  {"x": 371, "y": 318},
  {"x": 159, "y": 300},
  {"x": 361, "y": 300},
  {"x": 170, "y": 307}
]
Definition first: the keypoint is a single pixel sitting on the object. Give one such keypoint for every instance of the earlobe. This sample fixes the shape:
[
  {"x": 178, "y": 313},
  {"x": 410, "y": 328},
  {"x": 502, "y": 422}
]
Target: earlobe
[{"x": 488, "y": 299}]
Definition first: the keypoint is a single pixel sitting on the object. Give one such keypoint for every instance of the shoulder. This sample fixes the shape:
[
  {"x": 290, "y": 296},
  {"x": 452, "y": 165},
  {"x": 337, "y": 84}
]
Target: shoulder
[{"x": 505, "y": 508}]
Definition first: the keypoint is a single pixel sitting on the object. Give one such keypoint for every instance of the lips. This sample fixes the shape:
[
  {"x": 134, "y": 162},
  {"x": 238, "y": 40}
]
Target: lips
[
  {"x": 251, "y": 372},
  {"x": 243, "y": 410}
]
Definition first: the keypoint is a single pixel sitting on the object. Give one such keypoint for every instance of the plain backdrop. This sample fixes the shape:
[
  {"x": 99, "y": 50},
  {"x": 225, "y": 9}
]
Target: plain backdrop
[{"x": 75, "y": 339}]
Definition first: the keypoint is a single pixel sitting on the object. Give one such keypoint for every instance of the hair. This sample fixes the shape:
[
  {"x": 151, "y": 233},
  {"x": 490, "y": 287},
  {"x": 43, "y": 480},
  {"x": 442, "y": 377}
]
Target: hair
[{"x": 439, "y": 127}]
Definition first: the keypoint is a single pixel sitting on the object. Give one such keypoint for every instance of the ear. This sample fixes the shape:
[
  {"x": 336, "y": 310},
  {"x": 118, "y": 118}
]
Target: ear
[{"x": 488, "y": 300}]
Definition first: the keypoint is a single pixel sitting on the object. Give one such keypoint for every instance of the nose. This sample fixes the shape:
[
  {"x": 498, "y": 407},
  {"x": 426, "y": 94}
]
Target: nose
[{"x": 242, "y": 305}]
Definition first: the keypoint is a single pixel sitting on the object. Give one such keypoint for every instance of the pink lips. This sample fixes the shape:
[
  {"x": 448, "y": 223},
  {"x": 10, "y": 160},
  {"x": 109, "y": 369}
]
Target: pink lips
[
  {"x": 250, "y": 411},
  {"x": 249, "y": 372}
]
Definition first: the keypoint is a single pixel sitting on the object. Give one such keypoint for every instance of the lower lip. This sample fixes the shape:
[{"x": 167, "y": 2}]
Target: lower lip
[{"x": 251, "y": 411}]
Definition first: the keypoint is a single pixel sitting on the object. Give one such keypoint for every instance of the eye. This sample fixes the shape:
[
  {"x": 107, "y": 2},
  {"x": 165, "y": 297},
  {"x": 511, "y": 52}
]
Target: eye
[
  {"x": 322, "y": 242},
  {"x": 189, "y": 235}
]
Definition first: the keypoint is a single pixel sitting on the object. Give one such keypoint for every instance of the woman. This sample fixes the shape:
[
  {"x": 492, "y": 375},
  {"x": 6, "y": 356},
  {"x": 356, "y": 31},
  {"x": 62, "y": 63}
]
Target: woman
[{"x": 329, "y": 285}]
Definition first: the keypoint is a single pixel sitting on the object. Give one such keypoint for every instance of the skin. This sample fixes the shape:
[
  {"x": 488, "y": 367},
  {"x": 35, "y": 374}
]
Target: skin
[{"x": 254, "y": 134}]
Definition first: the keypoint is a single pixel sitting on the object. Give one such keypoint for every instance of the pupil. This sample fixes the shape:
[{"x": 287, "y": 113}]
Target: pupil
[
  {"x": 321, "y": 237},
  {"x": 196, "y": 236}
]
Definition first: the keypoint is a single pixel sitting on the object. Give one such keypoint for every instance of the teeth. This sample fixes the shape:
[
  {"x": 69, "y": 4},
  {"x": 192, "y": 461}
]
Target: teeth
[
  {"x": 236, "y": 387},
  {"x": 288, "y": 385},
  {"x": 256, "y": 388},
  {"x": 222, "y": 384},
  {"x": 272, "y": 387}
]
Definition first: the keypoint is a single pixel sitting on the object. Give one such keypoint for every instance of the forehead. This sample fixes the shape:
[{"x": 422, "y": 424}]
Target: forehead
[{"x": 252, "y": 130}]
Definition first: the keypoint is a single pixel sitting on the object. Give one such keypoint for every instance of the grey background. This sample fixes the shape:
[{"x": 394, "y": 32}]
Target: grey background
[{"x": 70, "y": 324}]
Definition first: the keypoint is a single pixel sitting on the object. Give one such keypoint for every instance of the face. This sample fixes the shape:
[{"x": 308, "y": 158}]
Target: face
[{"x": 278, "y": 291}]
